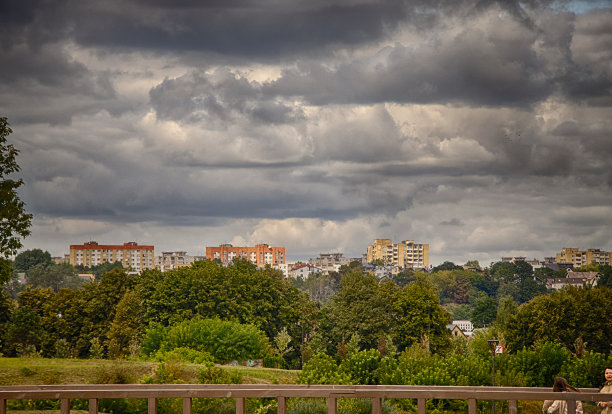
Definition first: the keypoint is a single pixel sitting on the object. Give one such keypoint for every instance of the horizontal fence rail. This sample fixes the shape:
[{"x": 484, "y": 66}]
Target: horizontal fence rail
[{"x": 376, "y": 393}]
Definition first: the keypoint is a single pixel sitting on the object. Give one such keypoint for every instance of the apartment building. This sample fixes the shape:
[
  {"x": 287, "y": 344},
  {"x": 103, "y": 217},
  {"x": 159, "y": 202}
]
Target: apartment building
[
  {"x": 131, "y": 255},
  {"x": 579, "y": 258},
  {"x": 260, "y": 254},
  {"x": 405, "y": 254},
  {"x": 330, "y": 262},
  {"x": 174, "y": 260},
  {"x": 303, "y": 270}
]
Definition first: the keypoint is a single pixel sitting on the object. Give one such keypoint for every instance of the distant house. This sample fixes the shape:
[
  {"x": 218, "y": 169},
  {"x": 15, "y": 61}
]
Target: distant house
[
  {"x": 465, "y": 325},
  {"x": 330, "y": 262},
  {"x": 381, "y": 272},
  {"x": 576, "y": 279},
  {"x": 456, "y": 331},
  {"x": 303, "y": 271},
  {"x": 86, "y": 277}
]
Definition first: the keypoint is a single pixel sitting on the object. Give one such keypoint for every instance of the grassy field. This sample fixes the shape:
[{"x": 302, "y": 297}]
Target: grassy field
[{"x": 37, "y": 371}]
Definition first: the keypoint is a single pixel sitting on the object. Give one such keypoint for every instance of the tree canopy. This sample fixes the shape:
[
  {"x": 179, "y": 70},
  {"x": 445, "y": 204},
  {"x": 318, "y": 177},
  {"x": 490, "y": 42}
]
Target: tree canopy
[
  {"x": 30, "y": 258},
  {"x": 14, "y": 221}
]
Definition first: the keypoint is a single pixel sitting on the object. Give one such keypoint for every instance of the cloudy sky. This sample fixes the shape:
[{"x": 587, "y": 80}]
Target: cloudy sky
[{"x": 482, "y": 128}]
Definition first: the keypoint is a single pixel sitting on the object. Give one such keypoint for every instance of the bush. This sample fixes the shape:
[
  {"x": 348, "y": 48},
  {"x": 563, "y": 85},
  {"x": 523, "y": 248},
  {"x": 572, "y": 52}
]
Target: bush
[
  {"x": 322, "y": 369},
  {"x": 539, "y": 365},
  {"x": 273, "y": 362},
  {"x": 586, "y": 372},
  {"x": 185, "y": 355},
  {"x": 225, "y": 341},
  {"x": 216, "y": 375},
  {"x": 114, "y": 374},
  {"x": 362, "y": 367}
]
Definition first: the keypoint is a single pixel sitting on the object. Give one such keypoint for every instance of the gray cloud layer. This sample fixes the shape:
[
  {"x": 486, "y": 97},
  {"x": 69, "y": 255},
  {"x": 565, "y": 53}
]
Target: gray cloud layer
[{"x": 482, "y": 128}]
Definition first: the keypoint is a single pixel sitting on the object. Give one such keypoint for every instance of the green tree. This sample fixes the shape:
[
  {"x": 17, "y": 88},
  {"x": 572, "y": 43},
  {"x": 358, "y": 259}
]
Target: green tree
[
  {"x": 282, "y": 340},
  {"x": 14, "y": 221},
  {"x": 543, "y": 273},
  {"x": 127, "y": 327},
  {"x": 563, "y": 316},
  {"x": 210, "y": 290},
  {"x": 484, "y": 312},
  {"x": 504, "y": 272},
  {"x": 99, "y": 270},
  {"x": 454, "y": 285},
  {"x": 506, "y": 309},
  {"x": 56, "y": 276},
  {"x": 473, "y": 264},
  {"x": 484, "y": 282},
  {"x": 321, "y": 287},
  {"x": 404, "y": 277},
  {"x": 446, "y": 266},
  {"x": 100, "y": 300},
  {"x": 27, "y": 327},
  {"x": 24, "y": 261},
  {"x": 354, "y": 266},
  {"x": 606, "y": 276},
  {"x": 421, "y": 318},
  {"x": 363, "y": 306}
]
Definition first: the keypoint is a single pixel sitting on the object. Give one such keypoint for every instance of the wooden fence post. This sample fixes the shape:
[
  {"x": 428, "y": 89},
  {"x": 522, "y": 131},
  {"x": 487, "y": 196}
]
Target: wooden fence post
[
  {"x": 187, "y": 405},
  {"x": 240, "y": 405},
  {"x": 65, "y": 406},
  {"x": 421, "y": 406},
  {"x": 332, "y": 405},
  {"x": 571, "y": 406},
  {"x": 282, "y": 405},
  {"x": 93, "y": 406},
  {"x": 376, "y": 405},
  {"x": 152, "y": 406},
  {"x": 472, "y": 406},
  {"x": 512, "y": 407},
  {"x": 2, "y": 406}
]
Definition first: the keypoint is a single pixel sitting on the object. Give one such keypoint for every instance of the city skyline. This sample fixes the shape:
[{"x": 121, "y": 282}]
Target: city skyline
[
  {"x": 564, "y": 253},
  {"x": 480, "y": 128}
]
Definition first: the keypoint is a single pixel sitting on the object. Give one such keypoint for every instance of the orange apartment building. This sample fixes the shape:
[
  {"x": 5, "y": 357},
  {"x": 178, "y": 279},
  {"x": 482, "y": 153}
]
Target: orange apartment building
[
  {"x": 131, "y": 255},
  {"x": 261, "y": 254}
]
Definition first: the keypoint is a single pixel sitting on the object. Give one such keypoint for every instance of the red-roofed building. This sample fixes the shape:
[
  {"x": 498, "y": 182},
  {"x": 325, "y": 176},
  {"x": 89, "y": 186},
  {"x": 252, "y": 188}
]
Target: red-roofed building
[
  {"x": 261, "y": 254},
  {"x": 131, "y": 255}
]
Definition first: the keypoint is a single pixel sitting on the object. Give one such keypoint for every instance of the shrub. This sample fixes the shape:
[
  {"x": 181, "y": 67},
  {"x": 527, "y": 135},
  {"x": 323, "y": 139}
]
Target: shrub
[
  {"x": 113, "y": 374},
  {"x": 322, "y": 369},
  {"x": 185, "y": 355},
  {"x": 224, "y": 340},
  {"x": 217, "y": 375},
  {"x": 362, "y": 367}
]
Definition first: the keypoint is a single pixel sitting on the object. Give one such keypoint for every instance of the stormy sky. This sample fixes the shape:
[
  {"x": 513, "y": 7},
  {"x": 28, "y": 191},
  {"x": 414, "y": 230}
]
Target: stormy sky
[{"x": 482, "y": 128}]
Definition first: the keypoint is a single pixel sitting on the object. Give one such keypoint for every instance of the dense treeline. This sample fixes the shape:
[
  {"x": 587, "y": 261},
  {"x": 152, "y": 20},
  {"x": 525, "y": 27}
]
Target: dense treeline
[{"x": 286, "y": 323}]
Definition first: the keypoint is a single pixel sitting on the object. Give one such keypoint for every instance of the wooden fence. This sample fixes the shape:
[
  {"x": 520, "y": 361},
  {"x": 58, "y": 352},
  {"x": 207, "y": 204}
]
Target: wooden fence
[{"x": 376, "y": 393}]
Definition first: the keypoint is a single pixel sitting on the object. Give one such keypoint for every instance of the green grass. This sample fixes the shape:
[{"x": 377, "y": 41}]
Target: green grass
[{"x": 44, "y": 371}]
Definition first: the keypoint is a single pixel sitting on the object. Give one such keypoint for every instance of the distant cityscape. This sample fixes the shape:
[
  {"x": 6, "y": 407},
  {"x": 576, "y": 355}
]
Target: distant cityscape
[{"x": 383, "y": 258}]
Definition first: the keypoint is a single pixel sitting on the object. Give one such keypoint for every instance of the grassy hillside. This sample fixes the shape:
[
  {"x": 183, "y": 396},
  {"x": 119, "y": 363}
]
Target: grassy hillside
[{"x": 36, "y": 371}]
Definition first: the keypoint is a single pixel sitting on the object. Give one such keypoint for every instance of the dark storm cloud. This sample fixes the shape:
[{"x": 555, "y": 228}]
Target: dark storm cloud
[
  {"x": 61, "y": 86},
  {"x": 242, "y": 28},
  {"x": 502, "y": 62}
]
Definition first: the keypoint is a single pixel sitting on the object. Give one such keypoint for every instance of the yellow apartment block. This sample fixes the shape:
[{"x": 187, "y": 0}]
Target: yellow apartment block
[
  {"x": 583, "y": 257},
  {"x": 131, "y": 255},
  {"x": 406, "y": 254}
]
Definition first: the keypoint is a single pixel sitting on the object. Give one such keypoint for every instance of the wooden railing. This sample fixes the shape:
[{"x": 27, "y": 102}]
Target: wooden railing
[{"x": 332, "y": 393}]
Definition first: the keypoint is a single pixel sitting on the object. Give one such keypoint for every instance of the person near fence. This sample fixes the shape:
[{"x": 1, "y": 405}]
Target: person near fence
[
  {"x": 607, "y": 389},
  {"x": 560, "y": 406}
]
